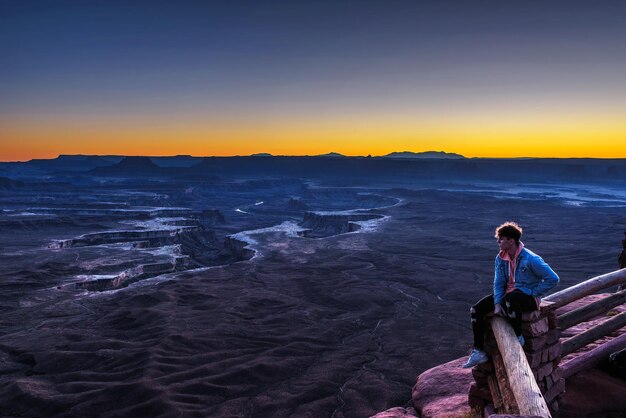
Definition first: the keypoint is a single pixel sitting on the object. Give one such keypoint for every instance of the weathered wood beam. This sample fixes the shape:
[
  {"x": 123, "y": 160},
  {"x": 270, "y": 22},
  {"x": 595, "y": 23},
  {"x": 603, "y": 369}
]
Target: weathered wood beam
[
  {"x": 594, "y": 309},
  {"x": 522, "y": 383},
  {"x": 500, "y": 379},
  {"x": 494, "y": 389},
  {"x": 591, "y": 358},
  {"x": 572, "y": 344},
  {"x": 586, "y": 288}
]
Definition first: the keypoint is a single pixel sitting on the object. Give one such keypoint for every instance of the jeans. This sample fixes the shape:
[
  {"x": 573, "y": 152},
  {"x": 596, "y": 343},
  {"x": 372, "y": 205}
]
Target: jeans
[{"x": 514, "y": 304}]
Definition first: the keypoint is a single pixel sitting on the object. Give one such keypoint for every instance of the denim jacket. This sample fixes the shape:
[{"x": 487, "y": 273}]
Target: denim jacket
[{"x": 533, "y": 276}]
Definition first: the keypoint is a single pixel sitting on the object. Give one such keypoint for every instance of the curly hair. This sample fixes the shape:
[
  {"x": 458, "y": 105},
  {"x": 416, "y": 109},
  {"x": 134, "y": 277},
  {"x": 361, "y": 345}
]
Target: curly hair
[{"x": 509, "y": 229}]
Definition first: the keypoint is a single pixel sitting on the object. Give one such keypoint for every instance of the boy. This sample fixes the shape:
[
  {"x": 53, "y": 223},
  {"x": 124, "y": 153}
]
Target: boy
[{"x": 521, "y": 278}]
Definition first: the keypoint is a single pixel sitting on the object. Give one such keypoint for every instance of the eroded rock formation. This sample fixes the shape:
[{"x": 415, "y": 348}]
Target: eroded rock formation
[
  {"x": 322, "y": 224},
  {"x": 211, "y": 217}
]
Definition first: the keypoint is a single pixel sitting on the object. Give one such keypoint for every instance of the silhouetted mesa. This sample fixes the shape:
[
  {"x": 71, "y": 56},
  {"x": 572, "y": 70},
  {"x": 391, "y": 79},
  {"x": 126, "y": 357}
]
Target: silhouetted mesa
[
  {"x": 131, "y": 166},
  {"x": 73, "y": 162},
  {"x": 426, "y": 154},
  {"x": 332, "y": 155}
]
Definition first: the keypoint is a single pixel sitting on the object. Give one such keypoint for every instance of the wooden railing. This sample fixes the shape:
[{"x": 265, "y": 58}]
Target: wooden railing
[
  {"x": 582, "y": 314},
  {"x": 586, "y": 288},
  {"x": 513, "y": 375}
]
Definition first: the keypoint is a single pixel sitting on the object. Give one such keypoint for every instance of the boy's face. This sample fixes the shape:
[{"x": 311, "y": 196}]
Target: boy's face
[{"x": 506, "y": 244}]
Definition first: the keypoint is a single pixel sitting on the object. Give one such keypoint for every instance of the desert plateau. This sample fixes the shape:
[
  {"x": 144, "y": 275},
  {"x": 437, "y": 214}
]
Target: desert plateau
[{"x": 267, "y": 286}]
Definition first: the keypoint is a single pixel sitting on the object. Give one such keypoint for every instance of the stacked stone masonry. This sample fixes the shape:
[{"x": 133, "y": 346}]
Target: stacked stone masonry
[{"x": 543, "y": 352}]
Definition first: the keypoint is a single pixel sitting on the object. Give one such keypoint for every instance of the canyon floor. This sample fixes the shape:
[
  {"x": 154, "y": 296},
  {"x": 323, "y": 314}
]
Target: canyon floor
[{"x": 260, "y": 318}]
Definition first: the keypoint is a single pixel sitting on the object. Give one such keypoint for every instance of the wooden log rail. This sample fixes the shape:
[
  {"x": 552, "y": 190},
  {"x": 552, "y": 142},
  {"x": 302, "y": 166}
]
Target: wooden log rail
[
  {"x": 572, "y": 344},
  {"x": 585, "y": 313},
  {"x": 594, "y": 309},
  {"x": 521, "y": 381},
  {"x": 586, "y": 288},
  {"x": 593, "y": 357}
]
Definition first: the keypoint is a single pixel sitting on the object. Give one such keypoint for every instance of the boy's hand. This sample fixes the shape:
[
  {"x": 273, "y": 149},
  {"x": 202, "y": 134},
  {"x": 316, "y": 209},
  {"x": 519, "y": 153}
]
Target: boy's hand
[{"x": 498, "y": 310}]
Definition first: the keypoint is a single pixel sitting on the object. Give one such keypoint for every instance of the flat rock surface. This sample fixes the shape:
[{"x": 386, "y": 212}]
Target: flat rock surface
[{"x": 442, "y": 391}]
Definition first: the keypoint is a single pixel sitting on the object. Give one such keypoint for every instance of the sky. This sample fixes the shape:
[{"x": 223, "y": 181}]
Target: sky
[{"x": 482, "y": 79}]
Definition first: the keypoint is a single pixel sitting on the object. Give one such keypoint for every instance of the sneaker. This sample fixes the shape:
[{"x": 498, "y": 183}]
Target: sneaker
[
  {"x": 521, "y": 340},
  {"x": 476, "y": 357}
]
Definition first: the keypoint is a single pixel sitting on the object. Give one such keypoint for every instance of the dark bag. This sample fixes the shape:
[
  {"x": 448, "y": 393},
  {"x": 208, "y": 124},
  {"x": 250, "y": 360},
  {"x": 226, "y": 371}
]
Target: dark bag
[{"x": 617, "y": 364}]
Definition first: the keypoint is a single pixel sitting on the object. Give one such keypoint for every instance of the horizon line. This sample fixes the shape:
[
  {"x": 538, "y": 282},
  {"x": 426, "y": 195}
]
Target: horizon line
[{"x": 325, "y": 155}]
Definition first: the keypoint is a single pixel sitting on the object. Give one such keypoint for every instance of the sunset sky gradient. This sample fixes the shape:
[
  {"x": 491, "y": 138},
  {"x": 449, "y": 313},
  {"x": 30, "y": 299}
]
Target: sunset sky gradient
[{"x": 486, "y": 79}]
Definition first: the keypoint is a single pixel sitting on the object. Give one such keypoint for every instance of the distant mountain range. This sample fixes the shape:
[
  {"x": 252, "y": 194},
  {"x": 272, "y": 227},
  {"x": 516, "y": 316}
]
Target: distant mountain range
[
  {"x": 426, "y": 154},
  {"x": 75, "y": 162},
  {"x": 82, "y": 161},
  {"x": 413, "y": 167},
  {"x": 332, "y": 155},
  {"x": 402, "y": 154}
]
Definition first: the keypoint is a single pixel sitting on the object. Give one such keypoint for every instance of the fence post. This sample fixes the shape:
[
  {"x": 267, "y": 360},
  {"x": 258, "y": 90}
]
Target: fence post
[{"x": 521, "y": 380}]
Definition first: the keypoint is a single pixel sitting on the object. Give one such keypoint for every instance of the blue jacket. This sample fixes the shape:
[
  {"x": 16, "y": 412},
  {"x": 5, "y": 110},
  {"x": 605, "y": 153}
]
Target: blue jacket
[{"x": 533, "y": 276}]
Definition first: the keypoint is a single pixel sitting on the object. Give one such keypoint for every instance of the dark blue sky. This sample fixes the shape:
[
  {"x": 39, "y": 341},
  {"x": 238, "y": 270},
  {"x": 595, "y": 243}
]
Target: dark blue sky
[{"x": 308, "y": 62}]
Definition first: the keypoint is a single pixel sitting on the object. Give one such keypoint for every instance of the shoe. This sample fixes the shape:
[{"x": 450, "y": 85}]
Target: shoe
[
  {"x": 476, "y": 357},
  {"x": 521, "y": 340}
]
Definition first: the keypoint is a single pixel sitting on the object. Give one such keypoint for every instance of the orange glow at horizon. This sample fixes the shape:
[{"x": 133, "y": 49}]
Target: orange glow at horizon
[{"x": 601, "y": 137}]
